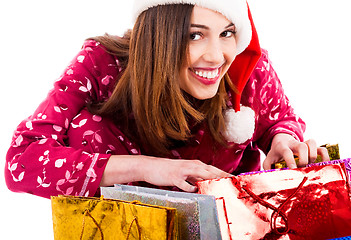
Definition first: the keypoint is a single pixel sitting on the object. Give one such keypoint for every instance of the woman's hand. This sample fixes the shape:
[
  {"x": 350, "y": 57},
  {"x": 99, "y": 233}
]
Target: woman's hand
[
  {"x": 284, "y": 147},
  {"x": 180, "y": 173},
  {"x": 158, "y": 171}
]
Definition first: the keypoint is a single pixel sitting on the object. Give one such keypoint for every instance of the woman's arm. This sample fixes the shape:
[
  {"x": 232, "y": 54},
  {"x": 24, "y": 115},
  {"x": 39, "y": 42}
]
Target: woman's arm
[
  {"x": 39, "y": 161},
  {"x": 158, "y": 171}
]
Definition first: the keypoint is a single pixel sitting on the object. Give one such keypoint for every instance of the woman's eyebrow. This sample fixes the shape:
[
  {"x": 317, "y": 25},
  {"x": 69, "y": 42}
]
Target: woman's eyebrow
[
  {"x": 230, "y": 25},
  {"x": 206, "y": 27},
  {"x": 199, "y": 26}
]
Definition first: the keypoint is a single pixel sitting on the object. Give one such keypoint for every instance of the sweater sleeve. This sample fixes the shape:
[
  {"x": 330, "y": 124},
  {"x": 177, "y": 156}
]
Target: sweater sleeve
[
  {"x": 39, "y": 161},
  {"x": 274, "y": 114}
]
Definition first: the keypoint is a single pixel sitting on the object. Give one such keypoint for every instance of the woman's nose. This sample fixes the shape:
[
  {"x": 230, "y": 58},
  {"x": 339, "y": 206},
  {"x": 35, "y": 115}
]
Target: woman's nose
[{"x": 214, "y": 52}]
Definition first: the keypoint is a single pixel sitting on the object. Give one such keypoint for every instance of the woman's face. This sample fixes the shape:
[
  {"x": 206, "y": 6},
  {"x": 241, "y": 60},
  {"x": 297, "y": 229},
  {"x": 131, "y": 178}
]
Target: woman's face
[{"x": 212, "y": 49}]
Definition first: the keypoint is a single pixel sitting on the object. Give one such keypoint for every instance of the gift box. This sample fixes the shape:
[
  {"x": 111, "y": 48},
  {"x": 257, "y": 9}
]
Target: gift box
[
  {"x": 303, "y": 203},
  {"x": 197, "y": 214},
  {"x": 99, "y": 218}
]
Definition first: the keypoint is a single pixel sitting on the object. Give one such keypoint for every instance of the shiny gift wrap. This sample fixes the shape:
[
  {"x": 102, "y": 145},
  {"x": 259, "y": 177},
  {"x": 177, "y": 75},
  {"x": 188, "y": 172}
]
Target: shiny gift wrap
[
  {"x": 299, "y": 204},
  {"x": 98, "y": 218},
  {"x": 346, "y": 162},
  {"x": 197, "y": 214}
]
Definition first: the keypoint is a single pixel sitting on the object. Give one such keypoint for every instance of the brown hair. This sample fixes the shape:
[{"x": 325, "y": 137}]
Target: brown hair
[{"x": 152, "y": 54}]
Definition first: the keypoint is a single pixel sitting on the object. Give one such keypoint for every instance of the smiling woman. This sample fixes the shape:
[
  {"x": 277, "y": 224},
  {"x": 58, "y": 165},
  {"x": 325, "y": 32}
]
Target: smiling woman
[
  {"x": 301, "y": 66},
  {"x": 203, "y": 105}
]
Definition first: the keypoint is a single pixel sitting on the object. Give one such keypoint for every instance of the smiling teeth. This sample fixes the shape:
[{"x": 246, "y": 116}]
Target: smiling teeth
[{"x": 207, "y": 74}]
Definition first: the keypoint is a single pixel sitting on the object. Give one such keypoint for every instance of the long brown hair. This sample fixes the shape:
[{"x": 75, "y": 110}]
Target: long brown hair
[{"x": 152, "y": 54}]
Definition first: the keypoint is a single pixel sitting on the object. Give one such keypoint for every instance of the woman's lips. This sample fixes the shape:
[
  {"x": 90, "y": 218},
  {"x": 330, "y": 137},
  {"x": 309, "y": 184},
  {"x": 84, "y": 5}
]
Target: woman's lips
[{"x": 206, "y": 76}]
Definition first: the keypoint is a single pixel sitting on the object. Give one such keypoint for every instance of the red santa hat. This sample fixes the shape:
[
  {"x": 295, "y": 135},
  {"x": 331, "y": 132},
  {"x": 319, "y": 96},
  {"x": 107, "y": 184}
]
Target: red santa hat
[{"x": 240, "y": 120}]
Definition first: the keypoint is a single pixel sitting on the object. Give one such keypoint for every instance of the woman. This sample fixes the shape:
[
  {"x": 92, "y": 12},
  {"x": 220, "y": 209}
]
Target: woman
[{"x": 186, "y": 95}]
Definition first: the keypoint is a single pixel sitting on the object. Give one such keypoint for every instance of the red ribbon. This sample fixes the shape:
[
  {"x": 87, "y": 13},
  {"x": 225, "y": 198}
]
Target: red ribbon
[{"x": 277, "y": 211}]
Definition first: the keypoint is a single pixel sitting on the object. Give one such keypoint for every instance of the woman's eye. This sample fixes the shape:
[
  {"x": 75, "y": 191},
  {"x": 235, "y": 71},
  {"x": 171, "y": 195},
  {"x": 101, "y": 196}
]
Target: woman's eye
[
  {"x": 227, "y": 34},
  {"x": 195, "y": 36}
]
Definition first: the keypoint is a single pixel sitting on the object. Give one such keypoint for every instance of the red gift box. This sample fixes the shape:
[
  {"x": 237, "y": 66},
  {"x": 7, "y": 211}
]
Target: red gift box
[{"x": 304, "y": 203}]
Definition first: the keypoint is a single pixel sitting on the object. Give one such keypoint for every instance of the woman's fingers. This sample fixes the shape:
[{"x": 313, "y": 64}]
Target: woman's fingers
[
  {"x": 323, "y": 152},
  {"x": 279, "y": 154},
  {"x": 197, "y": 171},
  {"x": 301, "y": 150},
  {"x": 218, "y": 173},
  {"x": 312, "y": 150},
  {"x": 288, "y": 156},
  {"x": 285, "y": 147},
  {"x": 201, "y": 171},
  {"x": 180, "y": 173},
  {"x": 185, "y": 186}
]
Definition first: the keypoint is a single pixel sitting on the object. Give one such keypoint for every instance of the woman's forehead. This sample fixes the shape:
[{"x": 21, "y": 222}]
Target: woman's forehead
[{"x": 205, "y": 16}]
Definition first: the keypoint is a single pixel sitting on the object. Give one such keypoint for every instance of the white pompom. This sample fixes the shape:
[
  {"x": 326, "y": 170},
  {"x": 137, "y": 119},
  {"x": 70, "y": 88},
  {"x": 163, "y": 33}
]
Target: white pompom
[{"x": 240, "y": 125}]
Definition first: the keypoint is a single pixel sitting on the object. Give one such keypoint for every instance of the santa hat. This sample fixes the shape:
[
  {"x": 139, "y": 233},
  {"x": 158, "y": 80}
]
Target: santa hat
[{"x": 240, "y": 120}]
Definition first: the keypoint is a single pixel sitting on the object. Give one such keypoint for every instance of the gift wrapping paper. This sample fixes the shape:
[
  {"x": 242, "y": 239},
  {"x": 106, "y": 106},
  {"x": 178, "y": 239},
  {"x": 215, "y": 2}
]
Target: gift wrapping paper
[
  {"x": 298, "y": 204},
  {"x": 346, "y": 162}
]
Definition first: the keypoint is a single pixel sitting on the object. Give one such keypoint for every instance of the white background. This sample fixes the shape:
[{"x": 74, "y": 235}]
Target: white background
[{"x": 308, "y": 42}]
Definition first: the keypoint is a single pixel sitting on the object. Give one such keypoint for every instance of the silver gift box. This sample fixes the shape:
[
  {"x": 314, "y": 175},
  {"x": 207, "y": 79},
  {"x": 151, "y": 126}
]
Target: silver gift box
[{"x": 197, "y": 213}]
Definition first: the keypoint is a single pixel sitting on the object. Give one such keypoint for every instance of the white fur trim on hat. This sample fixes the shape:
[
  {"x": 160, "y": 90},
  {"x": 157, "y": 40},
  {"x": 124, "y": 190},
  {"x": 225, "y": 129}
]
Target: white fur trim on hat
[
  {"x": 235, "y": 11},
  {"x": 240, "y": 126}
]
